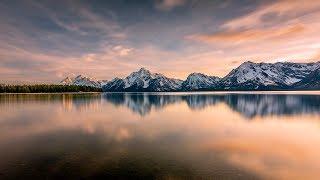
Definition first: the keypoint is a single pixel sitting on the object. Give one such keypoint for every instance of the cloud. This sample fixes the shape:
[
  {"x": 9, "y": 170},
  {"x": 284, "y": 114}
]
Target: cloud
[
  {"x": 278, "y": 21},
  {"x": 282, "y": 30},
  {"x": 89, "y": 57},
  {"x": 122, "y": 51},
  {"x": 167, "y": 5},
  {"x": 29, "y": 66},
  {"x": 87, "y": 20},
  {"x": 316, "y": 56},
  {"x": 69, "y": 41},
  {"x": 281, "y": 11},
  {"x": 245, "y": 36}
]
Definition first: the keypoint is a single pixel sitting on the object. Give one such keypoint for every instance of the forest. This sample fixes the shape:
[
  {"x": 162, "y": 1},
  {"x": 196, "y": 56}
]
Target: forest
[{"x": 46, "y": 88}]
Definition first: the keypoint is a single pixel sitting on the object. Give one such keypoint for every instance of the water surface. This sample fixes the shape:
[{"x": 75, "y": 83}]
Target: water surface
[{"x": 259, "y": 135}]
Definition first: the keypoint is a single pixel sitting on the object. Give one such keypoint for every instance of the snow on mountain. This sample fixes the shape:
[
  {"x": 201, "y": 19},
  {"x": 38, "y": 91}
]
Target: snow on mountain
[
  {"x": 66, "y": 81},
  {"x": 143, "y": 80},
  {"x": 85, "y": 81},
  {"x": 198, "y": 81},
  {"x": 115, "y": 84},
  {"x": 102, "y": 82},
  {"x": 81, "y": 80},
  {"x": 311, "y": 82},
  {"x": 248, "y": 76},
  {"x": 251, "y": 75},
  {"x": 139, "y": 78}
]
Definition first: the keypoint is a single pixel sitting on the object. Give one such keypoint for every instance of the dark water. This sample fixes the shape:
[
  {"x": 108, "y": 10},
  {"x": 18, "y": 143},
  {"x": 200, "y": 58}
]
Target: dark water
[{"x": 160, "y": 136}]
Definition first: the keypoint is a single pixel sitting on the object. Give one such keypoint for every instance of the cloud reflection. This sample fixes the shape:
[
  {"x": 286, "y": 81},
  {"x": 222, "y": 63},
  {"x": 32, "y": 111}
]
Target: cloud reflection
[
  {"x": 248, "y": 105},
  {"x": 194, "y": 136}
]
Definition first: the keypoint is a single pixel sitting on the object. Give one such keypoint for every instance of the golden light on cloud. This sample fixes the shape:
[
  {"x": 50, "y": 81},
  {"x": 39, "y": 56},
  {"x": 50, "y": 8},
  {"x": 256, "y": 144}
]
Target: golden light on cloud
[
  {"x": 250, "y": 35},
  {"x": 122, "y": 51},
  {"x": 279, "y": 31},
  {"x": 317, "y": 56},
  {"x": 282, "y": 11}
]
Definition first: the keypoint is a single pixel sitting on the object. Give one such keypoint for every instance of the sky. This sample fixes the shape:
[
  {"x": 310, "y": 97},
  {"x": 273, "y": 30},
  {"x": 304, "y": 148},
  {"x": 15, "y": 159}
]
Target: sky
[{"x": 45, "y": 41}]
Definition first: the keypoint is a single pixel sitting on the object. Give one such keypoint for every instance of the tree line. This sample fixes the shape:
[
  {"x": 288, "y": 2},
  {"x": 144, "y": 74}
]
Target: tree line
[{"x": 46, "y": 88}]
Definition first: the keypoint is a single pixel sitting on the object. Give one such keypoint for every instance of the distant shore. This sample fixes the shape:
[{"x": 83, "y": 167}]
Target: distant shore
[
  {"x": 75, "y": 89},
  {"x": 181, "y": 92},
  {"x": 97, "y": 92},
  {"x": 48, "y": 88}
]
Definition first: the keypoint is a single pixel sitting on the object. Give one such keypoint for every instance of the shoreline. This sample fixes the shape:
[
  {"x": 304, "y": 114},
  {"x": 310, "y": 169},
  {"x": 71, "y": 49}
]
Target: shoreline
[
  {"x": 57, "y": 93},
  {"x": 315, "y": 92}
]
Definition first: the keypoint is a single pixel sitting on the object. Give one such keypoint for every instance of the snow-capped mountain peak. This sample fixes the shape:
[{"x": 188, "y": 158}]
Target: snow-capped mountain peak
[
  {"x": 197, "y": 81},
  {"x": 144, "y": 71},
  {"x": 251, "y": 75},
  {"x": 144, "y": 80},
  {"x": 248, "y": 76},
  {"x": 66, "y": 81},
  {"x": 141, "y": 76},
  {"x": 81, "y": 80}
]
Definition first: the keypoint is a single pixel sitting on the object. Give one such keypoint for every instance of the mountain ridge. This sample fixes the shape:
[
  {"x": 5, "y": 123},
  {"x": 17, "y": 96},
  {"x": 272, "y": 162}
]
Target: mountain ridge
[
  {"x": 143, "y": 80},
  {"x": 247, "y": 76},
  {"x": 81, "y": 80}
]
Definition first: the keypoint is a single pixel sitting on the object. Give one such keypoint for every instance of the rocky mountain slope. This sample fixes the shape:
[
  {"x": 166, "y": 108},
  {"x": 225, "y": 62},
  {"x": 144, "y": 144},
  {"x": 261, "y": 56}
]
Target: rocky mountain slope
[
  {"x": 198, "y": 81},
  {"x": 248, "y": 76},
  {"x": 311, "y": 82},
  {"x": 267, "y": 76},
  {"x": 144, "y": 80},
  {"x": 81, "y": 80}
]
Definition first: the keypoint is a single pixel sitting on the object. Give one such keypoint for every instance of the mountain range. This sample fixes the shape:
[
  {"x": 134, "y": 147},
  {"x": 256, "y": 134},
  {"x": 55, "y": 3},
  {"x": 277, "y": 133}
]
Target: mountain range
[
  {"x": 81, "y": 80},
  {"x": 248, "y": 76}
]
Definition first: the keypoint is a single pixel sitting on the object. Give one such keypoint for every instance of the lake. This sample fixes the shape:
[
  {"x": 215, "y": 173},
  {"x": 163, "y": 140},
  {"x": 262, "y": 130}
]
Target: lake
[{"x": 253, "y": 135}]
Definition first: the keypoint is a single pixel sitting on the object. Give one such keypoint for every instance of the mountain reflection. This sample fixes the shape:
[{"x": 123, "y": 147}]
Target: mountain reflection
[
  {"x": 249, "y": 105},
  {"x": 141, "y": 103}
]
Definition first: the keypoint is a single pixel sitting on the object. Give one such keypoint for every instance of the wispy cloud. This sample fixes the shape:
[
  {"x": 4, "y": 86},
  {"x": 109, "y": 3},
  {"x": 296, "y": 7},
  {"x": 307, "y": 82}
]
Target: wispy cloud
[
  {"x": 281, "y": 11},
  {"x": 167, "y": 5},
  {"x": 284, "y": 29},
  {"x": 122, "y": 51},
  {"x": 245, "y": 36},
  {"x": 84, "y": 20}
]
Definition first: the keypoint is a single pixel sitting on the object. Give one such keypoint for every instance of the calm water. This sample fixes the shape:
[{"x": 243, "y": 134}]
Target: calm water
[{"x": 160, "y": 136}]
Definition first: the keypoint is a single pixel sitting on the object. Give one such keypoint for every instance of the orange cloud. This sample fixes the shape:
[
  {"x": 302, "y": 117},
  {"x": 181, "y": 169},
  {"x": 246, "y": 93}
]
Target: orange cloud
[
  {"x": 250, "y": 35},
  {"x": 283, "y": 30},
  {"x": 282, "y": 11},
  {"x": 316, "y": 56}
]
